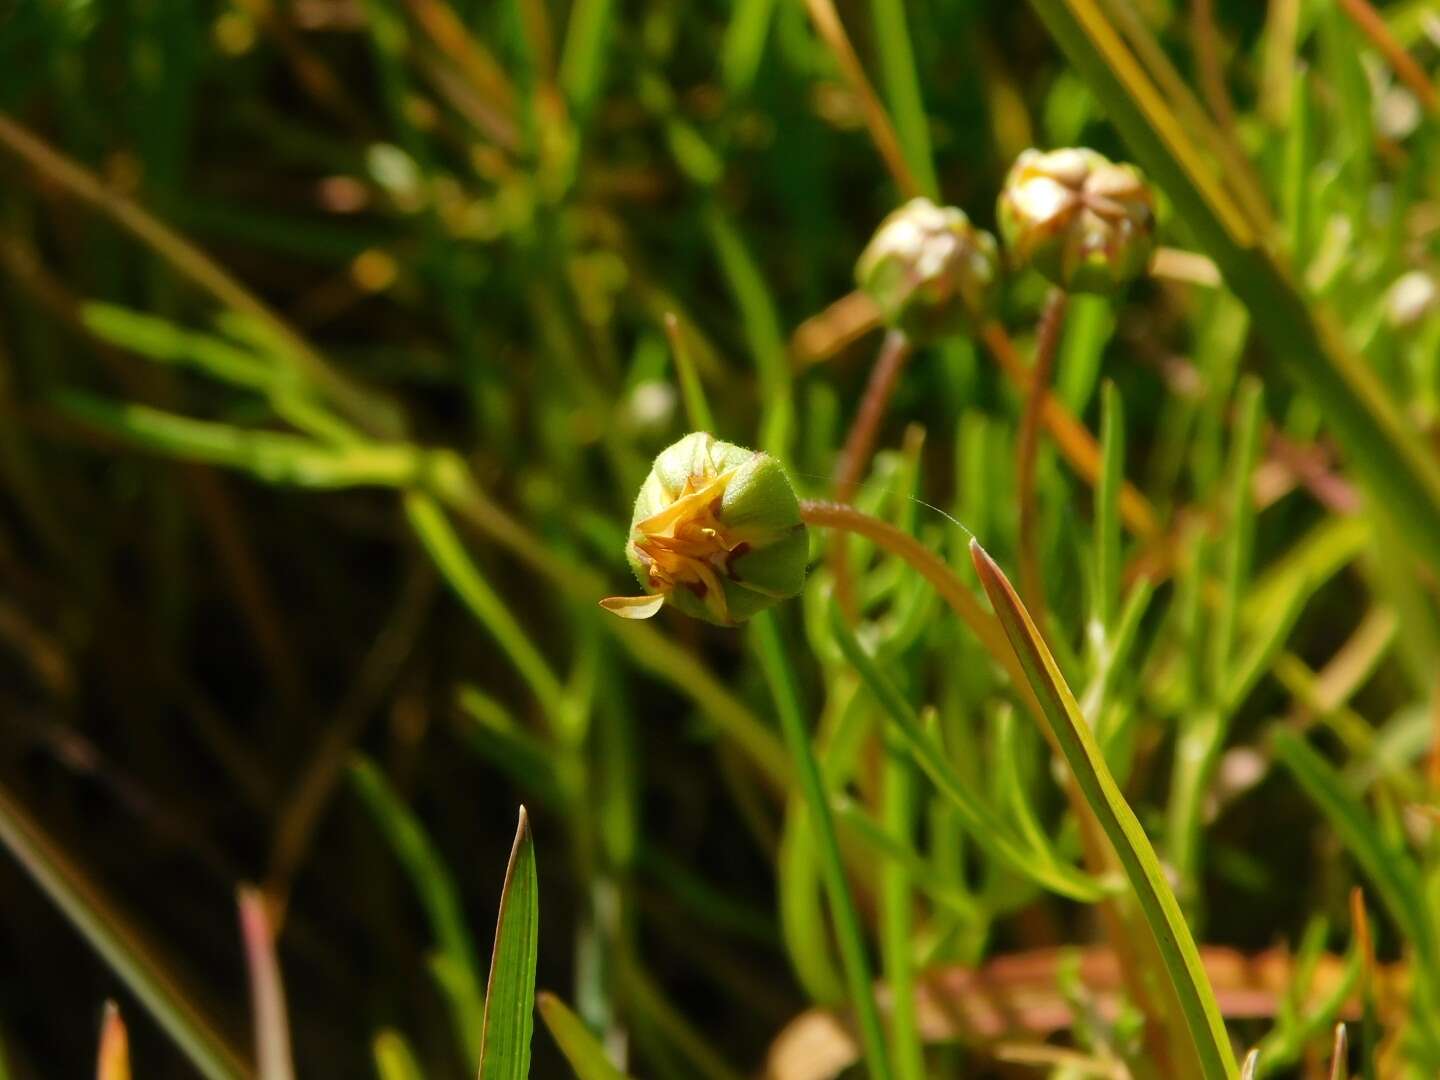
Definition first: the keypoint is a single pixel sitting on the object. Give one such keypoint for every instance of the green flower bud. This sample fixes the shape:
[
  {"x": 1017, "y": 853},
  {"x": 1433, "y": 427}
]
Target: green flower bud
[
  {"x": 1078, "y": 218},
  {"x": 930, "y": 271},
  {"x": 716, "y": 532}
]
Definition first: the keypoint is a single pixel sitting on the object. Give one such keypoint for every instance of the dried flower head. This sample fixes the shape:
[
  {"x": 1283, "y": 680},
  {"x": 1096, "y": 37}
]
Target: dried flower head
[
  {"x": 930, "y": 271},
  {"x": 716, "y": 532},
  {"x": 1078, "y": 218}
]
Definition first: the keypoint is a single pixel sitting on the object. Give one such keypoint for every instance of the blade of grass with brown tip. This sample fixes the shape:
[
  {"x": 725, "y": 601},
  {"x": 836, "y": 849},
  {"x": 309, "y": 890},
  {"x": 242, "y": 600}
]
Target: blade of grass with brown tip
[
  {"x": 113, "y": 1061},
  {"x": 267, "y": 991},
  {"x": 133, "y": 958},
  {"x": 510, "y": 991},
  {"x": 581, "y": 1049},
  {"x": 1133, "y": 848}
]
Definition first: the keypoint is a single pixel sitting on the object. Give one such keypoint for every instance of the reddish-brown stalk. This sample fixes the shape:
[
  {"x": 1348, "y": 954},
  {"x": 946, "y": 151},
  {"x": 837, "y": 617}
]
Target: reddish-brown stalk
[
  {"x": 1047, "y": 342},
  {"x": 859, "y": 445}
]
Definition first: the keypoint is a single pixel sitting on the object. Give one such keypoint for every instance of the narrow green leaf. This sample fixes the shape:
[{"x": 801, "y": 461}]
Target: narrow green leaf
[
  {"x": 744, "y": 44},
  {"x": 1392, "y": 873},
  {"x": 773, "y": 661},
  {"x": 985, "y": 827},
  {"x": 1239, "y": 531},
  {"x": 582, "y": 63},
  {"x": 901, "y": 81},
  {"x": 581, "y": 1049},
  {"x": 761, "y": 323},
  {"x": 437, "y": 893},
  {"x": 454, "y": 562},
  {"x": 1137, "y": 857},
  {"x": 856, "y": 824},
  {"x": 1107, "y": 508},
  {"x": 510, "y": 991},
  {"x": 897, "y": 905},
  {"x": 394, "y": 1060},
  {"x": 271, "y": 456}
]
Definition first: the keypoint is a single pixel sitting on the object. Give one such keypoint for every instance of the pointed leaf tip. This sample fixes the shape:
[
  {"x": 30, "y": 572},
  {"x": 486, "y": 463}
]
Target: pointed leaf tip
[
  {"x": 113, "y": 1061},
  {"x": 510, "y": 991}
]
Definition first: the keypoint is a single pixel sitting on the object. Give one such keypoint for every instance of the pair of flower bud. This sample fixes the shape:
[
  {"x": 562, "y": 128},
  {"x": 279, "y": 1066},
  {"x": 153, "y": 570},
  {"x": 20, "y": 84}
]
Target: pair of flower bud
[{"x": 1082, "y": 221}]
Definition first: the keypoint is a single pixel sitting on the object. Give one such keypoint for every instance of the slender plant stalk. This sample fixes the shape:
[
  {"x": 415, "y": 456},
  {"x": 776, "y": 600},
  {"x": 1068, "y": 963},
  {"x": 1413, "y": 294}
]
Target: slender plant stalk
[
  {"x": 895, "y": 351},
  {"x": 859, "y": 446},
  {"x": 771, "y": 651},
  {"x": 1071, "y": 437},
  {"x": 1373, "y": 26},
  {"x": 877, "y": 121},
  {"x": 1047, "y": 341},
  {"x": 692, "y": 391},
  {"x": 1210, "y": 63}
]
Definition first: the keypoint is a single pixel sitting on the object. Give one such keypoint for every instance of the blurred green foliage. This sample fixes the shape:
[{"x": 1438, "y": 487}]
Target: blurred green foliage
[{"x": 336, "y": 337}]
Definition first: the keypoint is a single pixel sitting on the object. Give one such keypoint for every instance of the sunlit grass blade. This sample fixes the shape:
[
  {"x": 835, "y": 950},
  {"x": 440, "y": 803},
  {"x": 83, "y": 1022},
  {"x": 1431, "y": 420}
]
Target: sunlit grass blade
[
  {"x": 897, "y": 924},
  {"x": 770, "y": 649},
  {"x": 761, "y": 323},
  {"x": 510, "y": 991},
  {"x": 860, "y": 826},
  {"x": 984, "y": 826},
  {"x": 582, "y": 60},
  {"x": 1107, "y": 509},
  {"x": 113, "y": 1061},
  {"x": 133, "y": 958},
  {"x": 394, "y": 1060},
  {"x": 744, "y": 44},
  {"x": 267, "y": 991},
  {"x": 581, "y": 1049},
  {"x": 1239, "y": 530},
  {"x": 449, "y": 554},
  {"x": 271, "y": 456},
  {"x": 1136, "y": 854},
  {"x": 437, "y": 894},
  {"x": 901, "y": 80},
  {"x": 1380, "y": 444}
]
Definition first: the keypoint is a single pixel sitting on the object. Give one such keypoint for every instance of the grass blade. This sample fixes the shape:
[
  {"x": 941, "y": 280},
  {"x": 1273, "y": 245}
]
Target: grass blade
[
  {"x": 267, "y": 992},
  {"x": 851, "y": 940},
  {"x": 510, "y": 991},
  {"x": 110, "y": 934},
  {"x": 1391, "y": 872},
  {"x": 897, "y": 904},
  {"x": 1137, "y": 857},
  {"x": 581, "y": 1049},
  {"x": 984, "y": 826},
  {"x": 437, "y": 894},
  {"x": 394, "y": 1059}
]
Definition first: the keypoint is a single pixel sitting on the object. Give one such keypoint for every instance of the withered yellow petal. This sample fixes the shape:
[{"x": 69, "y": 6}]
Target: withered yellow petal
[{"x": 633, "y": 607}]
